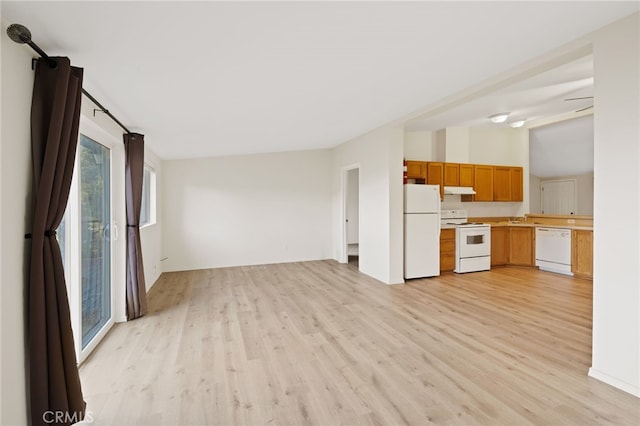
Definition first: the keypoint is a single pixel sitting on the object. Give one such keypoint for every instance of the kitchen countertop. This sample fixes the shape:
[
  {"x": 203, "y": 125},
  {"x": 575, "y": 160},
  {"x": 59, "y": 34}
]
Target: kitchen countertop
[{"x": 540, "y": 225}]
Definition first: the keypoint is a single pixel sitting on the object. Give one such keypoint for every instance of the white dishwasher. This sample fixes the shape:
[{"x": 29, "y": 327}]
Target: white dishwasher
[{"x": 553, "y": 250}]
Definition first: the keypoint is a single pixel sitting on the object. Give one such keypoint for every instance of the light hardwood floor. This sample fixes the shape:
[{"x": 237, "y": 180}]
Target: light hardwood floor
[{"x": 319, "y": 343}]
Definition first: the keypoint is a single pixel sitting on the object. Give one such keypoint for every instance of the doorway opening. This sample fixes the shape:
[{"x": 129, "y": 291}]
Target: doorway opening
[{"x": 351, "y": 224}]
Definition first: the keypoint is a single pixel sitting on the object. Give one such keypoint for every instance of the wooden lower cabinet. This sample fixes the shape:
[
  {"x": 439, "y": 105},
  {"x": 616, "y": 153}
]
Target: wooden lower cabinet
[
  {"x": 511, "y": 245},
  {"x": 582, "y": 253},
  {"x": 499, "y": 245},
  {"x": 522, "y": 246},
  {"x": 447, "y": 250},
  {"x": 515, "y": 245}
]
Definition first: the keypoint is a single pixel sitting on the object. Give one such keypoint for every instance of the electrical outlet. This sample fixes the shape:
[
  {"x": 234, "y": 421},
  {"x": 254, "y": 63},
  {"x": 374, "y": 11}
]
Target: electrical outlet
[{"x": 571, "y": 221}]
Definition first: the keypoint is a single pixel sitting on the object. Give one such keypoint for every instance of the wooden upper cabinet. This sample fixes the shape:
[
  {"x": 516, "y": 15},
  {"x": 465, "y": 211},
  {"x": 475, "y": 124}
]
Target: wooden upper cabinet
[
  {"x": 451, "y": 174},
  {"x": 507, "y": 183},
  {"x": 501, "y": 183},
  {"x": 435, "y": 175},
  {"x": 516, "y": 184},
  {"x": 483, "y": 182},
  {"x": 466, "y": 174},
  {"x": 417, "y": 170},
  {"x": 491, "y": 183}
]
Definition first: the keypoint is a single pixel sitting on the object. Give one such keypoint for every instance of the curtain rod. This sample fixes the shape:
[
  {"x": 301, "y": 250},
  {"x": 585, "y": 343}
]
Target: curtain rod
[{"x": 21, "y": 35}]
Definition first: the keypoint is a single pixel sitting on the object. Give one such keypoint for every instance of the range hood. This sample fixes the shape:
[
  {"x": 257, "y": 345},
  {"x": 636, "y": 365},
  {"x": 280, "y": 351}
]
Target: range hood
[{"x": 458, "y": 190}]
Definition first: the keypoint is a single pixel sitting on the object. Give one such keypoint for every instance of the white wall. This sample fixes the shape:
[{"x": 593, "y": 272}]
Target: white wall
[
  {"x": 379, "y": 155},
  {"x": 246, "y": 210},
  {"x": 552, "y": 144},
  {"x": 496, "y": 146},
  {"x": 499, "y": 146},
  {"x": 353, "y": 202},
  {"x": 457, "y": 145},
  {"x": 1, "y": 223},
  {"x": 395, "y": 188},
  {"x": 483, "y": 209},
  {"x": 104, "y": 130},
  {"x": 616, "y": 281},
  {"x": 15, "y": 196},
  {"x": 584, "y": 192},
  {"x": 535, "y": 200},
  {"x": 419, "y": 146},
  {"x": 151, "y": 235}
]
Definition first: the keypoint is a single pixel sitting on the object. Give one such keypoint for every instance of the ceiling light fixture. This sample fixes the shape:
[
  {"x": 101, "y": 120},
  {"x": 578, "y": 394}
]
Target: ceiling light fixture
[
  {"x": 500, "y": 117},
  {"x": 518, "y": 123}
]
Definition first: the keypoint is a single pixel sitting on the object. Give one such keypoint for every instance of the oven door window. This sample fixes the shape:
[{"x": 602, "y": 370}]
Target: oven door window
[{"x": 475, "y": 239}]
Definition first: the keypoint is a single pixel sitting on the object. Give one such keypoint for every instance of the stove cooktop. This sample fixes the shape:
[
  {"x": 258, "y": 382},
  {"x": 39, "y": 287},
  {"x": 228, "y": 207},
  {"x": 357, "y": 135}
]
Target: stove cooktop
[
  {"x": 465, "y": 224},
  {"x": 456, "y": 218}
]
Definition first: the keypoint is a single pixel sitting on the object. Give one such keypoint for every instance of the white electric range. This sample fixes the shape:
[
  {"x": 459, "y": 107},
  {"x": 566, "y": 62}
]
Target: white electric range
[{"x": 473, "y": 241}]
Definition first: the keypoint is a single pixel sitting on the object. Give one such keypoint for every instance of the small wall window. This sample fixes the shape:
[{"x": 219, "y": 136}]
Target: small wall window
[{"x": 148, "y": 209}]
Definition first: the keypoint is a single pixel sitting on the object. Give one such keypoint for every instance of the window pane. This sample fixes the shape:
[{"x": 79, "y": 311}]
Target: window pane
[
  {"x": 146, "y": 191},
  {"x": 61, "y": 234},
  {"x": 96, "y": 226}
]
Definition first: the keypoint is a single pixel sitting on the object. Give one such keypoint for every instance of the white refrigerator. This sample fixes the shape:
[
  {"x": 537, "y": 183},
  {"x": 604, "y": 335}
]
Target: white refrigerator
[{"x": 421, "y": 230}]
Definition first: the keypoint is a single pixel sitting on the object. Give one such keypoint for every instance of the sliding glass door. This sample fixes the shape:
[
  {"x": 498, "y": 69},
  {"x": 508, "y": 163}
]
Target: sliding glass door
[
  {"x": 85, "y": 240},
  {"x": 95, "y": 229}
]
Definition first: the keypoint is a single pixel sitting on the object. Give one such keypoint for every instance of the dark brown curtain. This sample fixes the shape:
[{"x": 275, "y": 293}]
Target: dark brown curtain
[
  {"x": 55, "y": 114},
  {"x": 134, "y": 171}
]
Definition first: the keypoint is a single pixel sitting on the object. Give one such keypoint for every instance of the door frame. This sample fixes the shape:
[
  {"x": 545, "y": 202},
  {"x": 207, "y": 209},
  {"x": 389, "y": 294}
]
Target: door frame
[
  {"x": 344, "y": 246},
  {"x": 73, "y": 269}
]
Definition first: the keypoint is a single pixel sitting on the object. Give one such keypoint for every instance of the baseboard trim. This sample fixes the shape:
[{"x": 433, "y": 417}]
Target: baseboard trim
[{"x": 616, "y": 383}]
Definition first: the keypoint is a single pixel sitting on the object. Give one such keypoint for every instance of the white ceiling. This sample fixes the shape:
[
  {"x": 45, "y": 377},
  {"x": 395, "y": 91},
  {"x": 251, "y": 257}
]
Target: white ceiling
[
  {"x": 224, "y": 78},
  {"x": 533, "y": 99}
]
